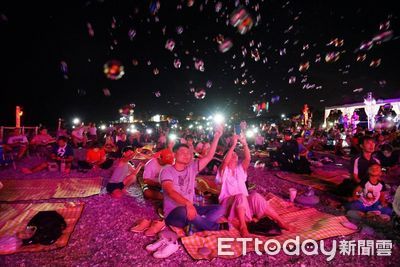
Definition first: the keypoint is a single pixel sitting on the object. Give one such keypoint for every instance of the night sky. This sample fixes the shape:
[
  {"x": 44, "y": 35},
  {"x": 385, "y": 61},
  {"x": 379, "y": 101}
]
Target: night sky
[{"x": 36, "y": 37}]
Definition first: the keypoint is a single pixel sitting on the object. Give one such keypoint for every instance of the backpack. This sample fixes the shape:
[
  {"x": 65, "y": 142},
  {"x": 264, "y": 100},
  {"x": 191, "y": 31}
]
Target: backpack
[{"x": 49, "y": 227}]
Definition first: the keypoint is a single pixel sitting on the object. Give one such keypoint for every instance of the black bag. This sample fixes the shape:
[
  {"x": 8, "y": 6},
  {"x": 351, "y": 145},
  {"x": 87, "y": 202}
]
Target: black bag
[
  {"x": 49, "y": 226},
  {"x": 264, "y": 226}
]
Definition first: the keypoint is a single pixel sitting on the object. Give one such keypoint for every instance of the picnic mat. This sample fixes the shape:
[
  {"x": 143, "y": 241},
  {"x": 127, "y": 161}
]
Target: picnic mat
[
  {"x": 324, "y": 180},
  {"x": 15, "y": 217},
  {"x": 36, "y": 189},
  {"x": 307, "y": 223}
]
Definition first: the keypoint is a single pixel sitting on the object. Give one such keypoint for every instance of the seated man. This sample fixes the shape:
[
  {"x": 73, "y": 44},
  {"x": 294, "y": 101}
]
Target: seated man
[
  {"x": 42, "y": 141},
  {"x": 390, "y": 160},
  {"x": 96, "y": 158},
  {"x": 17, "y": 142},
  {"x": 78, "y": 136},
  {"x": 178, "y": 184},
  {"x": 152, "y": 186},
  {"x": 62, "y": 154},
  {"x": 289, "y": 158},
  {"x": 124, "y": 174},
  {"x": 372, "y": 193},
  {"x": 361, "y": 163}
]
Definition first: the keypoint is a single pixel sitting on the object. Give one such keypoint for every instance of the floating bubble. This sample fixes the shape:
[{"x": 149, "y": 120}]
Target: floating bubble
[
  {"x": 361, "y": 57},
  {"x": 218, "y": 6},
  {"x": 157, "y": 93},
  {"x": 292, "y": 79},
  {"x": 156, "y": 71},
  {"x": 225, "y": 45},
  {"x": 383, "y": 37},
  {"x": 106, "y": 92},
  {"x": 244, "y": 51},
  {"x": 154, "y": 7},
  {"x": 306, "y": 47},
  {"x": 366, "y": 45},
  {"x": 332, "y": 56},
  {"x": 179, "y": 30},
  {"x": 317, "y": 58},
  {"x": 190, "y": 3},
  {"x": 375, "y": 63},
  {"x": 358, "y": 90},
  {"x": 384, "y": 25},
  {"x": 336, "y": 42},
  {"x": 192, "y": 90},
  {"x": 113, "y": 23},
  {"x": 246, "y": 25},
  {"x": 200, "y": 94},
  {"x": 148, "y": 62},
  {"x": 64, "y": 67},
  {"x": 199, "y": 64},
  {"x": 304, "y": 66},
  {"x": 113, "y": 70},
  {"x": 131, "y": 34},
  {"x": 209, "y": 84},
  {"x": 382, "y": 83},
  {"x": 275, "y": 99},
  {"x": 170, "y": 44},
  {"x": 90, "y": 29},
  {"x": 255, "y": 54},
  {"x": 241, "y": 20},
  {"x": 177, "y": 63},
  {"x": 282, "y": 51},
  {"x": 135, "y": 62}
]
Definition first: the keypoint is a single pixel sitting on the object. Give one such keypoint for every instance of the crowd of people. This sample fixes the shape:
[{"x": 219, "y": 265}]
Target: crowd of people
[{"x": 171, "y": 161}]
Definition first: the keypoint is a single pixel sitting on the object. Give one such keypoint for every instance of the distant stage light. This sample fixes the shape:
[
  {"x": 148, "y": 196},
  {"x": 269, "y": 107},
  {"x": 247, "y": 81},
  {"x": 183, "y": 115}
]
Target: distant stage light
[{"x": 219, "y": 118}]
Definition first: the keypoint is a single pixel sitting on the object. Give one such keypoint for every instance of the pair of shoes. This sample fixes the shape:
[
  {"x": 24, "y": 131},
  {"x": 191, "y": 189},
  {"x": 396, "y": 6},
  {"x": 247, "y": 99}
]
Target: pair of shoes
[
  {"x": 150, "y": 228},
  {"x": 163, "y": 248},
  {"x": 155, "y": 227}
]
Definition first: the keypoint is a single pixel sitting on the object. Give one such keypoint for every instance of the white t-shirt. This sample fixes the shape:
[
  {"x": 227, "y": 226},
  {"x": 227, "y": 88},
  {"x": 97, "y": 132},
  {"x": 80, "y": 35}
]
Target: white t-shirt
[
  {"x": 233, "y": 182},
  {"x": 78, "y": 133},
  {"x": 371, "y": 193},
  {"x": 93, "y": 131},
  {"x": 152, "y": 170}
]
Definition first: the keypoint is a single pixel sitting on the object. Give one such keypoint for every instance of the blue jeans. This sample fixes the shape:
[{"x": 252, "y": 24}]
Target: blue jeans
[
  {"x": 206, "y": 218},
  {"x": 358, "y": 205}
]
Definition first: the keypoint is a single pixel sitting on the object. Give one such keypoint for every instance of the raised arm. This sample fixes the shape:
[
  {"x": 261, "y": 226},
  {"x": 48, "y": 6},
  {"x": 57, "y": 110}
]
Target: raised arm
[
  {"x": 207, "y": 158},
  {"x": 247, "y": 156},
  {"x": 229, "y": 153}
]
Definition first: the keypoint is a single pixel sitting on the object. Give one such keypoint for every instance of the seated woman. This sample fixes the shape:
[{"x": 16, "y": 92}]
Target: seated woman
[
  {"x": 372, "y": 193},
  {"x": 234, "y": 197}
]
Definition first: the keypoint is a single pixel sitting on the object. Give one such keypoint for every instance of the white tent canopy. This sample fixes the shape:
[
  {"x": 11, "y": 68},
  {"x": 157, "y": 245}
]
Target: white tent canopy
[{"x": 349, "y": 108}]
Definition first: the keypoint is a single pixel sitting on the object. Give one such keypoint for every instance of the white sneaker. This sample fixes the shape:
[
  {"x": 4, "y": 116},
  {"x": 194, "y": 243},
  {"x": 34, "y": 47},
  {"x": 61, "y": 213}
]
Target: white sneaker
[
  {"x": 154, "y": 246},
  {"x": 166, "y": 250}
]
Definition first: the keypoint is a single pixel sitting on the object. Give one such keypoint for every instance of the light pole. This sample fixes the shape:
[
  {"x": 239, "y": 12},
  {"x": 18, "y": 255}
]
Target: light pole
[{"x": 370, "y": 103}]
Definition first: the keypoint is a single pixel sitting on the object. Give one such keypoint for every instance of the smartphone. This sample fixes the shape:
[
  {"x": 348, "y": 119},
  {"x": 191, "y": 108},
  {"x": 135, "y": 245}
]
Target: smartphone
[{"x": 238, "y": 130}]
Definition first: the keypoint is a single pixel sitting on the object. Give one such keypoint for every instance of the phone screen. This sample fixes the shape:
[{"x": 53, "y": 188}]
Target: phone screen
[{"x": 238, "y": 130}]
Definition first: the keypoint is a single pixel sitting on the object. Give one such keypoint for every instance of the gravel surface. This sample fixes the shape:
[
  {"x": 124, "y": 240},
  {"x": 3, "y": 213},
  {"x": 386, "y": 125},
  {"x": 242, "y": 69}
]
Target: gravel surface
[{"x": 102, "y": 236}]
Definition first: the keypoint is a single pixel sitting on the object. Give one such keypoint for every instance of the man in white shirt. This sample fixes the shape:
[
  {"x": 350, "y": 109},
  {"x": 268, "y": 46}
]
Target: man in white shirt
[
  {"x": 78, "y": 136},
  {"x": 17, "y": 142},
  {"x": 152, "y": 187}
]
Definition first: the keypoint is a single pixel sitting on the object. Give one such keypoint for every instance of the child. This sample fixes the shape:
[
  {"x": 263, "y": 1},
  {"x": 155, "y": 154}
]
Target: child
[
  {"x": 124, "y": 174},
  {"x": 372, "y": 193}
]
